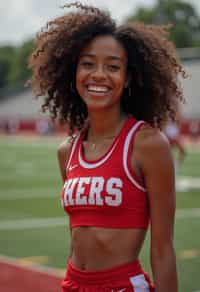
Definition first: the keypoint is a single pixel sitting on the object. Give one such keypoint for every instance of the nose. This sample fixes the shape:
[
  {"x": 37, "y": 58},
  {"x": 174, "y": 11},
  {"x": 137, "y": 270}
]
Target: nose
[{"x": 99, "y": 73}]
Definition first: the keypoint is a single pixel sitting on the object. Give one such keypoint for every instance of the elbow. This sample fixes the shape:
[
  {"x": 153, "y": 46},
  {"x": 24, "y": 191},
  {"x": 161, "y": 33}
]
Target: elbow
[{"x": 162, "y": 253}]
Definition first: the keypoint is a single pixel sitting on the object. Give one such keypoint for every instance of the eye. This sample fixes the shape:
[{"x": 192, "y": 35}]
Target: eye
[
  {"x": 86, "y": 64},
  {"x": 114, "y": 68}
]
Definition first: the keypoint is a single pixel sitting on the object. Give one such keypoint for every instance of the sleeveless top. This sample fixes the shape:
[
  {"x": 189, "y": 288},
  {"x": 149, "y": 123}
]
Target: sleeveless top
[{"x": 105, "y": 192}]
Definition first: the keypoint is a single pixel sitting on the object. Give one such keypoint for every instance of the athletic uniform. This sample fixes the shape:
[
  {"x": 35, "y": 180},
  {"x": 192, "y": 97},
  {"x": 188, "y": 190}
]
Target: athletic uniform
[{"x": 106, "y": 193}]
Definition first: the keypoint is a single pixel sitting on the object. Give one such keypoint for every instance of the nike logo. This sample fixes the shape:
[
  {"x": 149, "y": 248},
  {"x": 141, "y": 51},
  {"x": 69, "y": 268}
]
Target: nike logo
[{"x": 71, "y": 167}]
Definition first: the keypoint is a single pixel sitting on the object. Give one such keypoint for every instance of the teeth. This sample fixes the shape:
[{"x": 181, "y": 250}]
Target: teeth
[{"x": 97, "y": 88}]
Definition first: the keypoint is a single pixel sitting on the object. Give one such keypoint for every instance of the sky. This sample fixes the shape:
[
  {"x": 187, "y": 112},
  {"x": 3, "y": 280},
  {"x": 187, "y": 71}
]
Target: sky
[{"x": 22, "y": 19}]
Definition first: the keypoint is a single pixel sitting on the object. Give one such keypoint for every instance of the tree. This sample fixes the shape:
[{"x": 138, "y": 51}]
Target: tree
[
  {"x": 6, "y": 59},
  {"x": 182, "y": 15},
  {"x": 19, "y": 72}
]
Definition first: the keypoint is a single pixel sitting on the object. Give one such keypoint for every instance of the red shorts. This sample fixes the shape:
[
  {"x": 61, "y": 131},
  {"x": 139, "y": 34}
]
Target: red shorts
[{"x": 124, "y": 278}]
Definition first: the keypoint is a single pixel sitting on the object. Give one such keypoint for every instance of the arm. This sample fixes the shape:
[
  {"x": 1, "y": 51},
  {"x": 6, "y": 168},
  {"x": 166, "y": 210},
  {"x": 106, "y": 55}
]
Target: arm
[
  {"x": 155, "y": 160},
  {"x": 63, "y": 156}
]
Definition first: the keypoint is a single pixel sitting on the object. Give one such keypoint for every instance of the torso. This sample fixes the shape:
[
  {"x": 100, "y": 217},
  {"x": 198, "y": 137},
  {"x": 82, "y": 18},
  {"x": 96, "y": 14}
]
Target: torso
[{"x": 96, "y": 248}]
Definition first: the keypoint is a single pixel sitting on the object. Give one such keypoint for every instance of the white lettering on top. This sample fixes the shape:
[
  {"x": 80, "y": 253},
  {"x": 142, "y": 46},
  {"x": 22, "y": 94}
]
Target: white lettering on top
[
  {"x": 113, "y": 188},
  {"x": 93, "y": 191},
  {"x": 81, "y": 199},
  {"x": 69, "y": 187}
]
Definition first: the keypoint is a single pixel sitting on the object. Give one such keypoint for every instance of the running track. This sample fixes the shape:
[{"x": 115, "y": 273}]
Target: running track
[{"x": 16, "y": 278}]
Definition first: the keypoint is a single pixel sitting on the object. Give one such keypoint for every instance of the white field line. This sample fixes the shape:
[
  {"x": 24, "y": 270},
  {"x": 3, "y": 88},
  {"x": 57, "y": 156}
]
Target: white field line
[
  {"x": 183, "y": 183},
  {"x": 188, "y": 213},
  {"x": 38, "y": 223},
  {"x": 27, "y": 223},
  {"x": 27, "y": 196}
]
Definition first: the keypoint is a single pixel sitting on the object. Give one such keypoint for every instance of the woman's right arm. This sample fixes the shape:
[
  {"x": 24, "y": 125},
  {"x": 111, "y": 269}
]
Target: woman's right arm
[
  {"x": 154, "y": 155},
  {"x": 63, "y": 153}
]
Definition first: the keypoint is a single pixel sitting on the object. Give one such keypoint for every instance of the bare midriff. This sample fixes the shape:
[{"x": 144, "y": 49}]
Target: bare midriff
[{"x": 97, "y": 248}]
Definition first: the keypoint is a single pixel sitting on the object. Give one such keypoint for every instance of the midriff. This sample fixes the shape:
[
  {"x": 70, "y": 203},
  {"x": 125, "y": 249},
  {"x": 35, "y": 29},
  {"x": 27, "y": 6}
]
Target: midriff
[{"x": 97, "y": 248}]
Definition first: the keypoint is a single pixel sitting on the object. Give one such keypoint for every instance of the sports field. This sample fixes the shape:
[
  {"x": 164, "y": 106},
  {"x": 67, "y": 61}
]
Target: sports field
[{"x": 33, "y": 226}]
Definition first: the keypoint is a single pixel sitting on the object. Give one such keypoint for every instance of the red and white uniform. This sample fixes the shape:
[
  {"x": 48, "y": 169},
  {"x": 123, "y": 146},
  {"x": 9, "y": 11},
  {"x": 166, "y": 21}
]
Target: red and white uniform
[
  {"x": 106, "y": 193},
  {"x": 124, "y": 278}
]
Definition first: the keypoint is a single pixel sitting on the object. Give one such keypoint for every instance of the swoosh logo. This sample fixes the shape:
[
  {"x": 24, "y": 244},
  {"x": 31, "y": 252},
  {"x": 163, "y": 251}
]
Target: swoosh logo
[{"x": 72, "y": 167}]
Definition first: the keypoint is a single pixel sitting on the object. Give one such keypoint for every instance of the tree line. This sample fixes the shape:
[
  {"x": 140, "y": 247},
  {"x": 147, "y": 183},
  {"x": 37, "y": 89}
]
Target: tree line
[
  {"x": 185, "y": 32},
  {"x": 13, "y": 67}
]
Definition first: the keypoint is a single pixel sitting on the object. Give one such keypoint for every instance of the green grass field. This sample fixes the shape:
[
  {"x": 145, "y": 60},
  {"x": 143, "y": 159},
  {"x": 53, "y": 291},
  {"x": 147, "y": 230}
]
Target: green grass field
[{"x": 33, "y": 226}]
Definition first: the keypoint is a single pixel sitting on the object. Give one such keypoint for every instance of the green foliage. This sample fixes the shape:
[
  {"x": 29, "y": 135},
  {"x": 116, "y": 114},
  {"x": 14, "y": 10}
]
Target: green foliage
[
  {"x": 13, "y": 66},
  {"x": 19, "y": 71},
  {"x": 182, "y": 15},
  {"x": 6, "y": 59}
]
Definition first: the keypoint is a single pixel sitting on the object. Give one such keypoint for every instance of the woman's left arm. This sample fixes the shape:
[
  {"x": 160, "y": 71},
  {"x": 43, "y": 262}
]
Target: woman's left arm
[{"x": 156, "y": 162}]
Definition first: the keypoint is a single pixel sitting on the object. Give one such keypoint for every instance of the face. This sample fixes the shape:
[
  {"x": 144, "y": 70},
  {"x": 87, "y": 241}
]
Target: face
[{"x": 102, "y": 73}]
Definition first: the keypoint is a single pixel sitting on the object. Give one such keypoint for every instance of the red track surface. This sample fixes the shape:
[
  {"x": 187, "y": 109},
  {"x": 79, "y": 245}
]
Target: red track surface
[{"x": 14, "y": 278}]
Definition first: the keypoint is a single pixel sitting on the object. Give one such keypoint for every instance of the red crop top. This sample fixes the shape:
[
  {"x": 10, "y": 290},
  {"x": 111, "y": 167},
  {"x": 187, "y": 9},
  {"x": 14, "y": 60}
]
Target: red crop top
[{"x": 105, "y": 192}]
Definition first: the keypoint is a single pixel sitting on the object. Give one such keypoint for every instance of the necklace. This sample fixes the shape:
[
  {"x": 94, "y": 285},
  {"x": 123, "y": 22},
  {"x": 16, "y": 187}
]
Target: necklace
[{"x": 93, "y": 145}]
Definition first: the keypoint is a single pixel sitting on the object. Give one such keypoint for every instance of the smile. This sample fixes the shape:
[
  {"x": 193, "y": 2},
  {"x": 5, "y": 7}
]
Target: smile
[{"x": 97, "y": 89}]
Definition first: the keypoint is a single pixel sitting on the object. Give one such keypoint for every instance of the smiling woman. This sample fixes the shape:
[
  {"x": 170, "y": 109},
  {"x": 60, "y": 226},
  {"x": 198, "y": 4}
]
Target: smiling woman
[
  {"x": 115, "y": 87},
  {"x": 102, "y": 73}
]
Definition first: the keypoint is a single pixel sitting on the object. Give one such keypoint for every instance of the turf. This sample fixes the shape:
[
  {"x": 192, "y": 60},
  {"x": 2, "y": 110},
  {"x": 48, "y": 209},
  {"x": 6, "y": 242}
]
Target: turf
[{"x": 30, "y": 186}]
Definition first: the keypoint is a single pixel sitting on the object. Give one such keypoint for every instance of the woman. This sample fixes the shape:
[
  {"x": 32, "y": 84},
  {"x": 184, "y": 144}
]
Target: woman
[{"x": 115, "y": 87}]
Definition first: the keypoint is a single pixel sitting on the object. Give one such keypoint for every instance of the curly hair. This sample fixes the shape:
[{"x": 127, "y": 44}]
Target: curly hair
[{"x": 152, "y": 66}]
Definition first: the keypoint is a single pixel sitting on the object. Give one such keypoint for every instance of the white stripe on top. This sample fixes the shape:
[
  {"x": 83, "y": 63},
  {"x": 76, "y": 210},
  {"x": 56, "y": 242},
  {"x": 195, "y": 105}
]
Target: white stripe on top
[
  {"x": 91, "y": 164},
  {"x": 125, "y": 155},
  {"x": 72, "y": 150}
]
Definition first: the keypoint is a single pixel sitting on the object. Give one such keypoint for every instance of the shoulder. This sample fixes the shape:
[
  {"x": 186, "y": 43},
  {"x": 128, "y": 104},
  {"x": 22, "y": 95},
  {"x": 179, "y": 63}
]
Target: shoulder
[
  {"x": 64, "y": 148},
  {"x": 152, "y": 146},
  {"x": 151, "y": 138},
  {"x": 63, "y": 153},
  {"x": 65, "y": 145}
]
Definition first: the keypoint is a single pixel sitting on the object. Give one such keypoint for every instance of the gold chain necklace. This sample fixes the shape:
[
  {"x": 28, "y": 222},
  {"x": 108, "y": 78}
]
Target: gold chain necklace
[{"x": 93, "y": 145}]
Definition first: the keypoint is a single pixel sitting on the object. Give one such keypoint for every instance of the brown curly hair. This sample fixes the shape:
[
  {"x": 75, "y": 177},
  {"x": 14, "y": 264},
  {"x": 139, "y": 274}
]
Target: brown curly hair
[{"x": 152, "y": 66}]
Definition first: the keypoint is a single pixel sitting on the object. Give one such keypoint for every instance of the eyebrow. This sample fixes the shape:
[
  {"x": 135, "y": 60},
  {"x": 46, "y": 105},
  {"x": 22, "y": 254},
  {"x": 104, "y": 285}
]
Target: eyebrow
[{"x": 109, "y": 57}]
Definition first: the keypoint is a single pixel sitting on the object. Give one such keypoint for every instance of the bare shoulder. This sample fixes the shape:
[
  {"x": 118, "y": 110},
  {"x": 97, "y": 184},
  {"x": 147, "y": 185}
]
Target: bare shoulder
[
  {"x": 63, "y": 153},
  {"x": 149, "y": 138},
  {"x": 65, "y": 146},
  {"x": 152, "y": 145}
]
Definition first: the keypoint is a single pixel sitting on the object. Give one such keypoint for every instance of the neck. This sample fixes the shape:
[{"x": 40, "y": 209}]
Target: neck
[{"x": 106, "y": 126}]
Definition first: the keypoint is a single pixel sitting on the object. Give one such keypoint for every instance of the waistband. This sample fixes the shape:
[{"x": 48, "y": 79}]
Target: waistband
[{"x": 102, "y": 276}]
